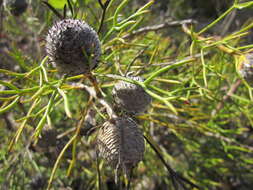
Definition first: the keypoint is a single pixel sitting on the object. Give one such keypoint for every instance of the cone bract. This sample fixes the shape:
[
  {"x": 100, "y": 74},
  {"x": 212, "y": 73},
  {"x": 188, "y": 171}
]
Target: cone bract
[{"x": 73, "y": 47}]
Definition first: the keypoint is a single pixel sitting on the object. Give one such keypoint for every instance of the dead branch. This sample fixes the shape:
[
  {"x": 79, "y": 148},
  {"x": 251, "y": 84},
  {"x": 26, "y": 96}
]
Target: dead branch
[{"x": 159, "y": 27}]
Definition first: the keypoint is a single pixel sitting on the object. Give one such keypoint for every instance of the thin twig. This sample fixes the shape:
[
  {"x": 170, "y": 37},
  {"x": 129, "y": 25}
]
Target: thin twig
[
  {"x": 101, "y": 100},
  {"x": 134, "y": 59},
  {"x": 104, "y": 7},
  {"x": 64, "y": 11},
  {"x": 176, "y": 177},
  {"x": 205, "y": 131},
  {"x": 95, "y": 84},
  {"x": 231, "y": 91},
  {"x": 101, "y": 4},
  {"x": 78, "y": 131},
  {"x": 58, "y": 161},
  {"x": 227, "y": 22},
  {"x": 53, "y": 10},
  {"x": 159, "y": 27},
  {"x": 71, "y": 8},
  {"x": 98, "y": 172},
  {"x": 176, "y": 61},
  {"x": 209, "y": 41},
  {"x": 65, "y": 133}
]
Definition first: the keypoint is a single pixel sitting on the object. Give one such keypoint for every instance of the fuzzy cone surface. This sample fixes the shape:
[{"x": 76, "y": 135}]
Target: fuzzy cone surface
[
  {"x": 120, "y": 141},
  {"x": 131, "y": 97},
  {"x": 73, "y": 47}
]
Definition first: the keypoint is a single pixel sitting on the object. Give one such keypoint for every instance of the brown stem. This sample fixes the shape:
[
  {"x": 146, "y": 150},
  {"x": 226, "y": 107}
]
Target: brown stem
[
  {"x": 159, "y": 27},
  {"x": 231, "y": 91},
  {"x": 94, "y": 82},
  {"x": 101, "y": 100}
]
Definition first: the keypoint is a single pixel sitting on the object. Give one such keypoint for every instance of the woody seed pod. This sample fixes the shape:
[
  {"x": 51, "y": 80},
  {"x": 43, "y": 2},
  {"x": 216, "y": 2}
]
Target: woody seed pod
[
  {"x": 121, "y": 143},
  {"x": 132, "y": 98},
  {"x": 246, "y": 68},
  {"x": 73, "y": 47}
]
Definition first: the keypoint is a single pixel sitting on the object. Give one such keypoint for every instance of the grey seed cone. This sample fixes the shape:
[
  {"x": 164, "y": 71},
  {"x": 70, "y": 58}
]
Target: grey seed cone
[
  {"x": 73, "y": 47},
  {"x": 121, "y": 143},
  {"x": 16, "y": 7},
  {"x": 132, "y": 98},
  {"x": 246, "y": 69}
]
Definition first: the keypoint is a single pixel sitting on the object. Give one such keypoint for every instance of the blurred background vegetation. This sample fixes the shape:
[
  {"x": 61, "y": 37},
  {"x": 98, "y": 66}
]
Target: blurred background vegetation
[{"x": 200, "y": 119}]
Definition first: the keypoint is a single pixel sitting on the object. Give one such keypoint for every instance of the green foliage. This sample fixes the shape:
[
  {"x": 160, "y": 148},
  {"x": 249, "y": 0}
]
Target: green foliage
[{"x": 58, "y": 4}]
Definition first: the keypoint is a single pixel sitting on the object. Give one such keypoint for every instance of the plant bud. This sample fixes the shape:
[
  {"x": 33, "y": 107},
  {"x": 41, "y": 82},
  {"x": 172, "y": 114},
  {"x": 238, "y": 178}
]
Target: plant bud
[
  {"x": 73, "y": 47},
  {"x": 131, "y": 97},
  {"x": 121, "y": 143}
]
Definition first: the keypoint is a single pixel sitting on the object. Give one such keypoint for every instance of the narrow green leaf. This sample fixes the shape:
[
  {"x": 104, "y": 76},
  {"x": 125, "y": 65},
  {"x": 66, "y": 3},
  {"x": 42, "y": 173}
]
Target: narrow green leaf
[
  {"x": 244, "y": 5},
  {"x": 116, "y": 14},
  {"x": 146, "y": 6},
  {"x": 22, "y": 126},
  {"x": 11, "y": 105},
  {"x": 124, "y": 25},
  {"x": 66, "y": 102},
  {"x": 11, "y": 73},
  {"x": 44, "y": 117},
  {"x": 164, "y": 69},
  {"x": 11, "y": 86},
  {"x": 37, "y": 94}
]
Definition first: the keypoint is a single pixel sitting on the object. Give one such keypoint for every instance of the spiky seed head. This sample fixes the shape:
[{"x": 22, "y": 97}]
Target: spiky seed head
[
  {"x": 131, "y": 97},
  {"x": 16, "y": 7},
  {"x": 246, "y": 68},
  {"x": 121, "y": 143},
  {"x": 73, "y": 47}
]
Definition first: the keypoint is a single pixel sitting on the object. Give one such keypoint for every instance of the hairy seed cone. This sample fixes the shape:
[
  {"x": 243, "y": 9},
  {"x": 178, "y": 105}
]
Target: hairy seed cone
[
  {"x": 120, "y": 141},
  {"x": 246, "y": 69},
  {"x": 132, "y": 98},
  {"x": 73, "y": 47}
]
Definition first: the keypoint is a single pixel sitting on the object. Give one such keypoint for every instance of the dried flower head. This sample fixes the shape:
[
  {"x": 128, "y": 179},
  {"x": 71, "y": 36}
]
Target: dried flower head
[
  {"x": 73, "y": 47},
  {"x": 246, "y": 69},
  {"x": 121, "y": 143},
  {"x": 16, "y": 7},
  {"x": 131, "y": 97}
]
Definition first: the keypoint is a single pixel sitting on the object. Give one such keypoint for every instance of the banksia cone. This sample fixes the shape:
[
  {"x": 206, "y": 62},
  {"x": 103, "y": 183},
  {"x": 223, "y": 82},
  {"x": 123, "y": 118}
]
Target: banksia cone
[
  {"x": 121, "y": 143},
  {"x": 17, "y": 7},
  {"x": 132, "y": 98},
  {"x": 73, "y": 47},
  {"x": 246, "y": 68}
]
